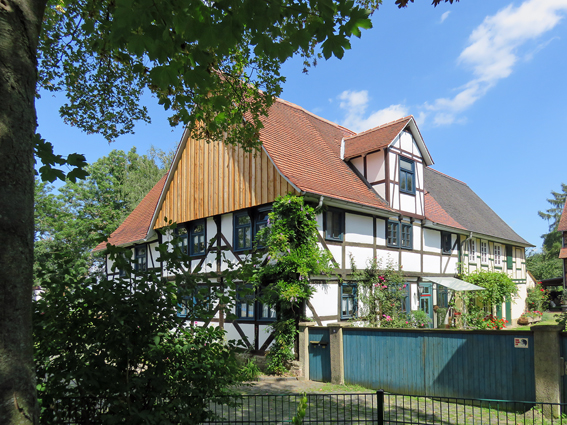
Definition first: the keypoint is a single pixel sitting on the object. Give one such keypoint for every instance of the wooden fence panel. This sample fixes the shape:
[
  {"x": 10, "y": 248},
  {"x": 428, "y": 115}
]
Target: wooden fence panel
[{"x": 469, "y": 364}]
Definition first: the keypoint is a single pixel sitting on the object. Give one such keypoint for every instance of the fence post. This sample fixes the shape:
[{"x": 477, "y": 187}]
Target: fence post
[
  {"x": 304, "y": 349},
  {"x": 336, "y": 352},
  {"x": 547, "y": 367},
  {"x": 380, "y": 404}
]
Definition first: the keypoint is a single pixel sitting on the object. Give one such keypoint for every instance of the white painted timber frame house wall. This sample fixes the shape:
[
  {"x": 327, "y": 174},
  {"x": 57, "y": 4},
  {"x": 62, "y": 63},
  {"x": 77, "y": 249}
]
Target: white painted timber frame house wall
[{"x": 408, "y": 231}]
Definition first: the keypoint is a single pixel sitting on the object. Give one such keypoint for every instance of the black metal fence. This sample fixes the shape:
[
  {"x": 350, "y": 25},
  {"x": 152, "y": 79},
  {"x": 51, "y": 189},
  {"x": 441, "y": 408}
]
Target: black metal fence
[{"x": 357, "y": 408}]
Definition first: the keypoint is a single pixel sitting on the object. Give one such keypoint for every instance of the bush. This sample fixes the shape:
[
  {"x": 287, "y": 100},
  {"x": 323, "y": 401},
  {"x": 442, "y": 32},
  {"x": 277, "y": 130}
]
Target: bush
[{"x": 537, "y": 299}]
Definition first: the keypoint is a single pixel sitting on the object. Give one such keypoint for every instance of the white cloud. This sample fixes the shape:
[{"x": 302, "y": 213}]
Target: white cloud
[
  {"x": 355, "y": 104},
  {"x": 494, "y": 49},
  {"x": 444, "y": 16}
]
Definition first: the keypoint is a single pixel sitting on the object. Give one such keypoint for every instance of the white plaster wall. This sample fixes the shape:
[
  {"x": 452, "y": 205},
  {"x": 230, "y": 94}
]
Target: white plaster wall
[
  {"x": 406, "y": 141},
  {"x": 358, "y": 228},
  {"x": 386, "y": 256},
  {"x": 518, "y": 304},
  {"x": 359, "y": 164},
  {"x": 325, "y": 300},
  {"x": 449, "y": 264},
  {"x": 414, "y": 299},
  {"x": 417, "y": 235},
  {"x": 231, "y": 333},
  {"x": 153, "y": 254},
  {"x": 393, "y": 162},
  {"x": 337, "y": 253},
  {"x": 380, "y": 232},
  {"x": 210, "y": 263},
  {"x": 380, "y": 189},
  {"x": 320, "y": 223},
  {"x": 411, "y": 261},
  {"x": 394, "y": 196},
  {"x": 431, "y": 264},
  {"x": 375, "y": 166},
  {"x": 228, "y": 256},
  {"x": 396, "y": 142},
  {"x": 419, "y": 175},
  {"x": 408, "y": 203},
  {"x": 416, "y": 150},
  {"x": 361, "y": 256},
  {"x": 226, "y": 227},
  {"x": 431, "y": 240},
  {"x": 263, "y": 334}
]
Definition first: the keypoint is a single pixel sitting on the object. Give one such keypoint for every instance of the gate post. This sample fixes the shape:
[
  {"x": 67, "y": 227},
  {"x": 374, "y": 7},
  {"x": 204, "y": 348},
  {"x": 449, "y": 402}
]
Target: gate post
[
  {"x": 336, "y": 351},
  {"x": 304, "y": 349},
  {"x": 547, "y": 367}
]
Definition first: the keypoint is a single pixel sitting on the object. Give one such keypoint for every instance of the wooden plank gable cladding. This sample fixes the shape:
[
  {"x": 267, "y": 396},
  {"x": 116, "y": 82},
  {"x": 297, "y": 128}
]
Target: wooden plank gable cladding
[{"x": 214, "y": 178}]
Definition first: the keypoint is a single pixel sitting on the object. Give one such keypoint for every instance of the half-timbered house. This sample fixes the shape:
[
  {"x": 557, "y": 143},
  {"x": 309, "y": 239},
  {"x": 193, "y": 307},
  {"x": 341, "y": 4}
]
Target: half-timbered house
[{"x": 382, "y": 199}]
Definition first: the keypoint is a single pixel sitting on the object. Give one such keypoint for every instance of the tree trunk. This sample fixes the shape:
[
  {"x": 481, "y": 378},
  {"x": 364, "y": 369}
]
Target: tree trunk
[{"x": 20, "y": 22}]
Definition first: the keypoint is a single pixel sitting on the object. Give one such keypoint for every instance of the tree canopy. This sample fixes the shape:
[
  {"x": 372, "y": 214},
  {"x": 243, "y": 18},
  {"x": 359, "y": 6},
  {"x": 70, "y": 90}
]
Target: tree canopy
[{"x": 214, "y": 65}]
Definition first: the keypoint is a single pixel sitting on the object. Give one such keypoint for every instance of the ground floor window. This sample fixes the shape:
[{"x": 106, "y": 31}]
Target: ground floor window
[{"x": 348, "y": 300}]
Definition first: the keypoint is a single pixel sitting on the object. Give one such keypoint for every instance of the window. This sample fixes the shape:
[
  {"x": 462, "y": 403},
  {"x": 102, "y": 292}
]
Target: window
[
  {"x": 472, "y": 250},
  {"x": 267, "y": 312},
  {"x": 348, "y": 300},
  {"x": 260, "y": 223},
  {"x": 406, "y": 306},
  {"x": 497, "y": 255},
  {"x": 242, "y": 231},
  {"x": 197, "y": 238},
  {"x": 245, "y": 301},
  {"x": 483, "y": 252},
  {"x": 392, "y": 233},
  {"x": 407, "y": 176},
  {"x": 334, "y": 224},
  {"x": 407, "y": 239},
  {"x": 446, "y": 246},
  {"x": 195, "y": 305},
  {"x": 509, "y": 257},
  {"x": 181, "y": 234},
  {"x": 141, "y": 258}
]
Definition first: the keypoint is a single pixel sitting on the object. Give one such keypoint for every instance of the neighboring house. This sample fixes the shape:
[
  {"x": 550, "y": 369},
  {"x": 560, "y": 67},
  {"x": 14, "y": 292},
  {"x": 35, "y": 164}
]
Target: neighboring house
[
  {"x": 381, "y": 200},
  {"x": 562, "y": 227}
]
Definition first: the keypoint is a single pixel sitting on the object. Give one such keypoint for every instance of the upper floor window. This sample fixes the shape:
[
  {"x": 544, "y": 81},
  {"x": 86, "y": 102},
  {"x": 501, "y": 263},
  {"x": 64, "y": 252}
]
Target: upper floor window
[
  {"x": 399, "y": 234},
  {"x": 334, "y": 223},
  {"x": 497, "y": 255},
  {"x": 446, "y": 245},
  {"x": 348, "y": 300},
  {"x": 472, "y": 250},
  {"x": 407, "y": 176},
  {"x": 483, "y": 252},
  {"x": 141, "y": 259},
  {"x": 260, "y": 223},
  {"x": 242, "y": 231},
  {"x": 182, "y": 236},
  {"x": 197, "y": 238}
]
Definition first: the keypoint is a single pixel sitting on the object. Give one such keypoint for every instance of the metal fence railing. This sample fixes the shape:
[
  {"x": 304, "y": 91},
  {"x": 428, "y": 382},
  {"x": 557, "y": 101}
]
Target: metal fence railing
[{"x": 357, "y": 408}]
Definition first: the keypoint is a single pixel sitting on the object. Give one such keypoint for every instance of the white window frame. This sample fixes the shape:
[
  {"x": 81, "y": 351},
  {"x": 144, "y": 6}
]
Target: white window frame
[
  {"x": 472, "y": 250},
  {"x": 497, "y": 255},
  {"x": 483, "y": 252}
]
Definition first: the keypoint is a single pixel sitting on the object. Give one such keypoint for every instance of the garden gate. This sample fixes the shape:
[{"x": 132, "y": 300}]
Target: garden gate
[{"x": 319, "y": 355}]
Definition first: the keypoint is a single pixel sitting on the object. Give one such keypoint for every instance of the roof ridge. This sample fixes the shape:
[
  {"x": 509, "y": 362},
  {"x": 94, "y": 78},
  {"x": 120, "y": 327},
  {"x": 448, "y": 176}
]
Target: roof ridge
[
  {"x": 380, "y": 127},
  {"x": 334, "y": 124},
  {"x": 446, "y": 175}
]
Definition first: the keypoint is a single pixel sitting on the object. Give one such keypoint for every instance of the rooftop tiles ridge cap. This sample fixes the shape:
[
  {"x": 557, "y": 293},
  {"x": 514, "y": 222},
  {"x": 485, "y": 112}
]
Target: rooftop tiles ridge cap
[
  {"x": 446, "y": 175},
  {"x": 380, "y": 127}
]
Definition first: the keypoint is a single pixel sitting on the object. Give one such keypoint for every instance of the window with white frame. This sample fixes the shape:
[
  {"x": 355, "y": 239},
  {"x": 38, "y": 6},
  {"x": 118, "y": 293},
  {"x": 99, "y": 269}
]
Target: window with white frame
[
  {"x": 483, "y": 252},
  {"x": 472, "y": 250},
  {"x": 497, "y": 255}
]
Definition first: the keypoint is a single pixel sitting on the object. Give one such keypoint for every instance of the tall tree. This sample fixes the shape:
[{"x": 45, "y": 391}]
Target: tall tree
[
  {"x": 213, "y": 63},
  {"x": 546, "y": 264}
]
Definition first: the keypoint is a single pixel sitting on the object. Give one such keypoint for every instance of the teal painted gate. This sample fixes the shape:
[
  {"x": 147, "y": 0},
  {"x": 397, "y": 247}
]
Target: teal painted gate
[
  {"x": 563, "y": 348},
  {"x": 469, "y": 364},
  {"x": 319, "y": 355}
]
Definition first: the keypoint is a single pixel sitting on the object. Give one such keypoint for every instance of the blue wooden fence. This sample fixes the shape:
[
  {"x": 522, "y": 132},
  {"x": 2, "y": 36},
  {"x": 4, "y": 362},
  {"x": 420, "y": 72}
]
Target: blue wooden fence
[
  {"x": 468, "y": 364},
  {"x": 563, "y": 350}
]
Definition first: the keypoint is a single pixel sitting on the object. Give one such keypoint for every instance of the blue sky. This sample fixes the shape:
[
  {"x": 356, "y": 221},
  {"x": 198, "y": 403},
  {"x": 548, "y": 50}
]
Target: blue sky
[{"x": 484, "y": 79}]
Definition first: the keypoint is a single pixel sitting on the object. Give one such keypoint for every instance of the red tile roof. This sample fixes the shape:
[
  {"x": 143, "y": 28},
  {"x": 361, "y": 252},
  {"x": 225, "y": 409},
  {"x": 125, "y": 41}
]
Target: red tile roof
[
  {"x": 305, "y": 149},
  {"x": 563, "y": 253},
  {"x": 562, "y": 227},
  {"x": 436, "y": 213},
  {"x": 137, "y": 224},
  {"x": 375, "y": 138}
]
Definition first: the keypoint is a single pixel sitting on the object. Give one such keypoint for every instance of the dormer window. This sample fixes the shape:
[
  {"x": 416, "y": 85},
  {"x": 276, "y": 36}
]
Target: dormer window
[{"x": 407, "y": 176}]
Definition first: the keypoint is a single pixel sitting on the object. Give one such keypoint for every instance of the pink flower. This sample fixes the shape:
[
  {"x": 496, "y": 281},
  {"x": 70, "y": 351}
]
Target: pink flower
[{"x": 404, "y": 286}]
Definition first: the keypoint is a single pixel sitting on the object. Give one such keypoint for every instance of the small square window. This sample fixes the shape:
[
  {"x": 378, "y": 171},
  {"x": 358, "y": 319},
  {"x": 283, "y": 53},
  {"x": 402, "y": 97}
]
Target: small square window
[
  {"x": 393, "y": 233},
  {"x": 348, "y": 300},
  {"x": 407, "y": 176},
  {"x": 242, "y": 231},
  {"x": 446, "y": 243},
  {"x": 334, "y": 225},
  {"x": 197, "y": 238}
]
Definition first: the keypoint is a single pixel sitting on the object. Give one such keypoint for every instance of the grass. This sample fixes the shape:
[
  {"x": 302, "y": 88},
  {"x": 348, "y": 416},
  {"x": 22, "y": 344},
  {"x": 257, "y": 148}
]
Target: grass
[{"x": 548, "y": 318}]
